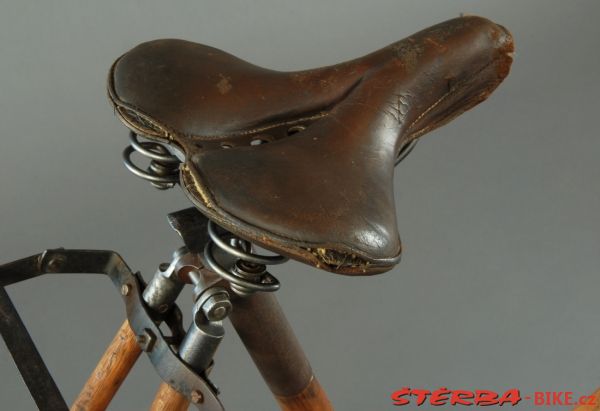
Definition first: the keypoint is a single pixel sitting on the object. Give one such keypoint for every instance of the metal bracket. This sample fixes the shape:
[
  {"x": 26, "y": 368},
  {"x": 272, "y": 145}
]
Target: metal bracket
[
  {"x": 35, "y": 374},
  {"x": 143, "y": 322}
]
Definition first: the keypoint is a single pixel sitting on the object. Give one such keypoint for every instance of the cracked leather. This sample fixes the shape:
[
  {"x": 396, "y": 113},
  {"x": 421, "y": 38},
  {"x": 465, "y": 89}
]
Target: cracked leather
[{"x": 302, "y": 163}]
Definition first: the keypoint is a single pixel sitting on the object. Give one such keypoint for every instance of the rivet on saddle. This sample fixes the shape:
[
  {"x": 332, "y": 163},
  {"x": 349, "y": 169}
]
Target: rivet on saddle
[{"x": 302, "y": 163}]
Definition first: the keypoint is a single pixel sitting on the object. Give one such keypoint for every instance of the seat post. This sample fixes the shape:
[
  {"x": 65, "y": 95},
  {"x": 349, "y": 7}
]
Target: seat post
[{"x": 270, "y": 340}]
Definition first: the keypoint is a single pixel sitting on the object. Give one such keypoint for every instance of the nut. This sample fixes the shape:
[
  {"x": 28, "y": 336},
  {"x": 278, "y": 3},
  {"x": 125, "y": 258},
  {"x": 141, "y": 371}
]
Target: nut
[
  {"x": 125, "y": 289},
  {"x": 217, "y": 307},
  {"x": 56, "y": 263},
  {"x": 146, "y": 340},
  {"x": 197, "y": 397}
]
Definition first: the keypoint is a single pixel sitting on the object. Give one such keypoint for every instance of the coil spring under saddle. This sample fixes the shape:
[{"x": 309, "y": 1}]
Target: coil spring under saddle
[
  {"x": 248, "y": 274},
  {"x": 163, "y": 170}
]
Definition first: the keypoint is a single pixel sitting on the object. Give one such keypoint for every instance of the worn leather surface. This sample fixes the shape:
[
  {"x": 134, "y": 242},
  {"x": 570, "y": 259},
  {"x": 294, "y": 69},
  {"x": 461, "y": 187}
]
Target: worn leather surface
[{"x": 320, "y": 186}]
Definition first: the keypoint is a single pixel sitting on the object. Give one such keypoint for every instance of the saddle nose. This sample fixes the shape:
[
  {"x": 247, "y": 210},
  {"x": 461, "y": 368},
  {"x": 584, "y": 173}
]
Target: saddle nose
[{"x": 449, "y": 68}]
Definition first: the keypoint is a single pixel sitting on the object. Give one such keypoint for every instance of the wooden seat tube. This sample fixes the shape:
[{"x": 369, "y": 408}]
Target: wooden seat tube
[{"x": 270, "y": 340}]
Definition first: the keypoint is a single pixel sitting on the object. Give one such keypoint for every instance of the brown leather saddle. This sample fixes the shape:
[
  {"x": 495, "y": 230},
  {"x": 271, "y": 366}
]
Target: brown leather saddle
[{"x": 302, "y": 163}]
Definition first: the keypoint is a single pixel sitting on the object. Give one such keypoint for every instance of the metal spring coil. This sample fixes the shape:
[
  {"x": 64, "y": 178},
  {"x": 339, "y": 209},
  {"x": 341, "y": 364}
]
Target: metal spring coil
[
  {"x": 163, "y": 171},
  {"x": 248, "y": 275}
]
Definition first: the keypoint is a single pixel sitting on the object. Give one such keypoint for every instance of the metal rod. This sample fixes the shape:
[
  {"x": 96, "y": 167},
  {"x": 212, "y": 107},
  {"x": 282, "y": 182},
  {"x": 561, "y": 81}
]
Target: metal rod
[
  {"x": 270, "y": 340},
  {"x": 42, "y": 387}
]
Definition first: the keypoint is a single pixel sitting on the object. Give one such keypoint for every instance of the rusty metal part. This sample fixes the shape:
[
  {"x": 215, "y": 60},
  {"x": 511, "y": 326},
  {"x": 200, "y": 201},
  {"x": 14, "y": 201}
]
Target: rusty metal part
[
  {"x": 211, "y": 305},
  {"x": 249, "y": 273},
  {"x": 143, "y": 321},
  {"x": 146, "y": 340},
  {"x": 166, "y": 285},
  {"x": 216, "y": 305},
  {"x": 221, "y": 254},
  {"x": 191, "y": 225},
  {"x": 201, "y": 342}
]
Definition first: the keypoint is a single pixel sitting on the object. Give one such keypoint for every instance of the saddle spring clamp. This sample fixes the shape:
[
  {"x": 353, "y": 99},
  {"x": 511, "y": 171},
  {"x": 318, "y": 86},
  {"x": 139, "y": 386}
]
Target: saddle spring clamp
[
  {"x": 248, "y": 271},
  {"x": 163, "y": 170}
]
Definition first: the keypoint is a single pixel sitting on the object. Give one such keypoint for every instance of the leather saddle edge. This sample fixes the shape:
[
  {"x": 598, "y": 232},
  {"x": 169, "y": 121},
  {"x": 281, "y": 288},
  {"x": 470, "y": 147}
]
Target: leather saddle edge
[
  {"x": 335, "y": 258},
  {"x": 349, "y": 260}
]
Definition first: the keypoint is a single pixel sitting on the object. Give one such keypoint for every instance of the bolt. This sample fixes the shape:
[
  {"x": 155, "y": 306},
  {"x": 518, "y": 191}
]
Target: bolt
[
  {"x": 146, "y": 340},
  {"x": 163, "y": 308},
  {"x": 197, "y": 397},
  {"x": 195, "y": 277},
  {"x": 249, "y": 270},
  {"x": 220, "y": 312},
  {"x": 56, "y": 263},
  {"x": 216, "y": 307},
  {"x": 125, "y": 289}
]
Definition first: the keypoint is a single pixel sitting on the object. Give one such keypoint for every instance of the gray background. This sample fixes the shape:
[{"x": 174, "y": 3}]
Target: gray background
[{"x": 498, "y": 211}]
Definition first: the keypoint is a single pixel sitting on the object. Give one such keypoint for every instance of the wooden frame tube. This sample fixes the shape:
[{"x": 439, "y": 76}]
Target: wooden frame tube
[
  {"x": 270, "y": 340},
  {"x": 594, "y": 403},
  {"x": 168, "y": 399},
  {"x": 110, "y": 372}
]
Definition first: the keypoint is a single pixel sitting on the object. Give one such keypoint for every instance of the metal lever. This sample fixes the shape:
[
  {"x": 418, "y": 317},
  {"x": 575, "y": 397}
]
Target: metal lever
[{"x": 143, "y": 321}]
